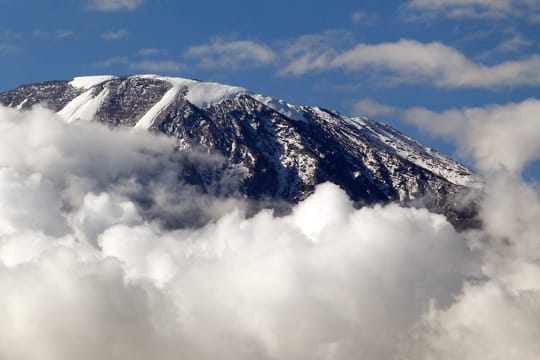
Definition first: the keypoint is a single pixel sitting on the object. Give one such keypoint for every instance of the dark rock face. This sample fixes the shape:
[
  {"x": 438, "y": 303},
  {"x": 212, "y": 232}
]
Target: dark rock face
[
  {"x": 128, "y": 99},
  {"x": 281, "y": 151},
  {"x": 53, "y": 94}
]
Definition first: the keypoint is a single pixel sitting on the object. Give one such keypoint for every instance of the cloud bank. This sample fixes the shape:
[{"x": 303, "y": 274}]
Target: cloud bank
[
  {"x": 410, "y": 61},
  {"x": 91, "y": 267},
  {"x": 499, "y": 137}
]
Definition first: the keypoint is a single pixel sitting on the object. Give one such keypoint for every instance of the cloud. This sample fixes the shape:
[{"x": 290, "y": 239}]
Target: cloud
[
  {"x": 415, "y": 62},
  {"x": 168, "y": 66},
  {"x": 157, "y": 66},
  {"x": 9, "y": 35},
  {"x": 68, "y": 159},
  {"x": 365, "y": 19},
  {"x": 81, "y": 255},
  {"x": 220, "y": 53},
  {"x": 358, "y": 17},
  {"x": 114, "y": 5},
  {"x": 40, "y": 33},
  {"x": 113, "y": 61},
  {"x": 315, "y": 43},
  {"x": 9, "y": 49},
  {"x": 535, "y": 18},
  {"x": 494, "y": 317},
  {"x": 497, "y": 136},
  {"x": 296, "y": 52},
  {"x": 512, "y": 43},
  {"x": 372, "y": 108},
  {"x": 491, "y": 9},
  {"x": 497, "y": 317},
  {"x": 146, "y": 293},
  {"x": 115, "y": 35},
  {"x": 58, "y": 34},
  {"x": 152, "y": 52},
  {"x": 62, "y": 34},
  {"x": 90, "y": 265}
]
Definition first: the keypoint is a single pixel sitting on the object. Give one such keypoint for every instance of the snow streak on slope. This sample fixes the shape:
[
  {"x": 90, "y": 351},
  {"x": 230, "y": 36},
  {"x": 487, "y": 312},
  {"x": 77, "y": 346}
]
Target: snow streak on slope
[
  {"x": 84, "y": 106},
  {"x": 148, "y": 119}
]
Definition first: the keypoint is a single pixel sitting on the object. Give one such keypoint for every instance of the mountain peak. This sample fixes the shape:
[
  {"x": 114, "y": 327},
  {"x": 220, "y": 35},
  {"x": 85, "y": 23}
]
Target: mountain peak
[{"x": 279, "y": 150}]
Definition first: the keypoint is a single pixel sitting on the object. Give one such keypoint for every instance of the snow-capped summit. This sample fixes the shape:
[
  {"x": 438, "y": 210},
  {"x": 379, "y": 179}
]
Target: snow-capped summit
[{"x": 281, "y": 150}]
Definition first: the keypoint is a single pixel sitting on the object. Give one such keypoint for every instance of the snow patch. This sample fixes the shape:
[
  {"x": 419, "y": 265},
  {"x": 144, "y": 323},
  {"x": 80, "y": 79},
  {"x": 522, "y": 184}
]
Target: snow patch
[
  {"x": 20, "y": 106},
  {"x": 284, "y": 108},
  {"x": 149, "y": 118},
  {"x": 87, "y": 82},
  {"x": 201, "y": 94},
  {"x": 205, "y": 95},
  {"x": 84, "y": 106}
]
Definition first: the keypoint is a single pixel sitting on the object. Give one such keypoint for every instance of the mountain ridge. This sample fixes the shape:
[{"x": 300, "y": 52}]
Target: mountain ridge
[{"x": 283, "y": 150}]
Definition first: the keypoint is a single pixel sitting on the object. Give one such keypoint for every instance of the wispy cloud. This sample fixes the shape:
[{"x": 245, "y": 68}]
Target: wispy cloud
[
  {"x": 114, "y": 5},
  {"x": 296, "y": 51},
  {"x": 497, "y": 136},
  {"x": 372, "y": 108},
  {"x": 163, "y": 66},
  {"x": 156, "y": 66},
  {"x": 40, "y": 33},
  {"x": 112, "y": 61},
  {"x": 9, "y": 49},
  {"x": 9, "y": 35},
  {"x": 358, "y": 17},
  {"x": 58, "y": 34},
  {"x": 115, "y": 35},
  {"x": 490, "y": 9},
  {"x": 364, "y": 18},
  {"x": 415, "y": 62},
  {"x": 316, "y": 43},
  {"x": 61, "y": 34},
  {"x": 515, "y": 43},
  {"x": 220, "y": 53},
  {"x": 152, "y": 52}
]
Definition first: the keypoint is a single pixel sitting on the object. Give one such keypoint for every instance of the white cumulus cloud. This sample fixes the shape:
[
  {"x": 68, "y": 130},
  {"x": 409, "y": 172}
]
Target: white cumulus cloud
[
  {"x": 415, "y": 62},
  {"x": 221, "y": 53},
  {"x": 498, "y": 136},
  {"x": 372, "y": 108},
  {"x": 92, "y": 264},
  {"x": 86, "y": 269}
]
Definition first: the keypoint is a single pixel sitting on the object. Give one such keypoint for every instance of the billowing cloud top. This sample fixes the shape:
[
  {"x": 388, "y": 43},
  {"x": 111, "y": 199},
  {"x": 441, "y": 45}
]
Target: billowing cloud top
[{"x": 103, "y": 254}]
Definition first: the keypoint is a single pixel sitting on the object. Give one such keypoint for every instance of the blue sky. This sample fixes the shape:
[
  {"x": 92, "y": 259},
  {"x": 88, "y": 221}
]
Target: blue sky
[{"x": 376, "y": 57}]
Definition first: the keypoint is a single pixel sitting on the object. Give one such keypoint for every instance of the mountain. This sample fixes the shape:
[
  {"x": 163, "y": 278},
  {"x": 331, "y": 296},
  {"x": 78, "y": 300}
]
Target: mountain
[{"x": 282, "y": 151}]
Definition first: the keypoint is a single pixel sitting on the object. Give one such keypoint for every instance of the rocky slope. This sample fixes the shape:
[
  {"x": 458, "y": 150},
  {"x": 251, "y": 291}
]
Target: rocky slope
[{"x": 280, "y": 150}]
